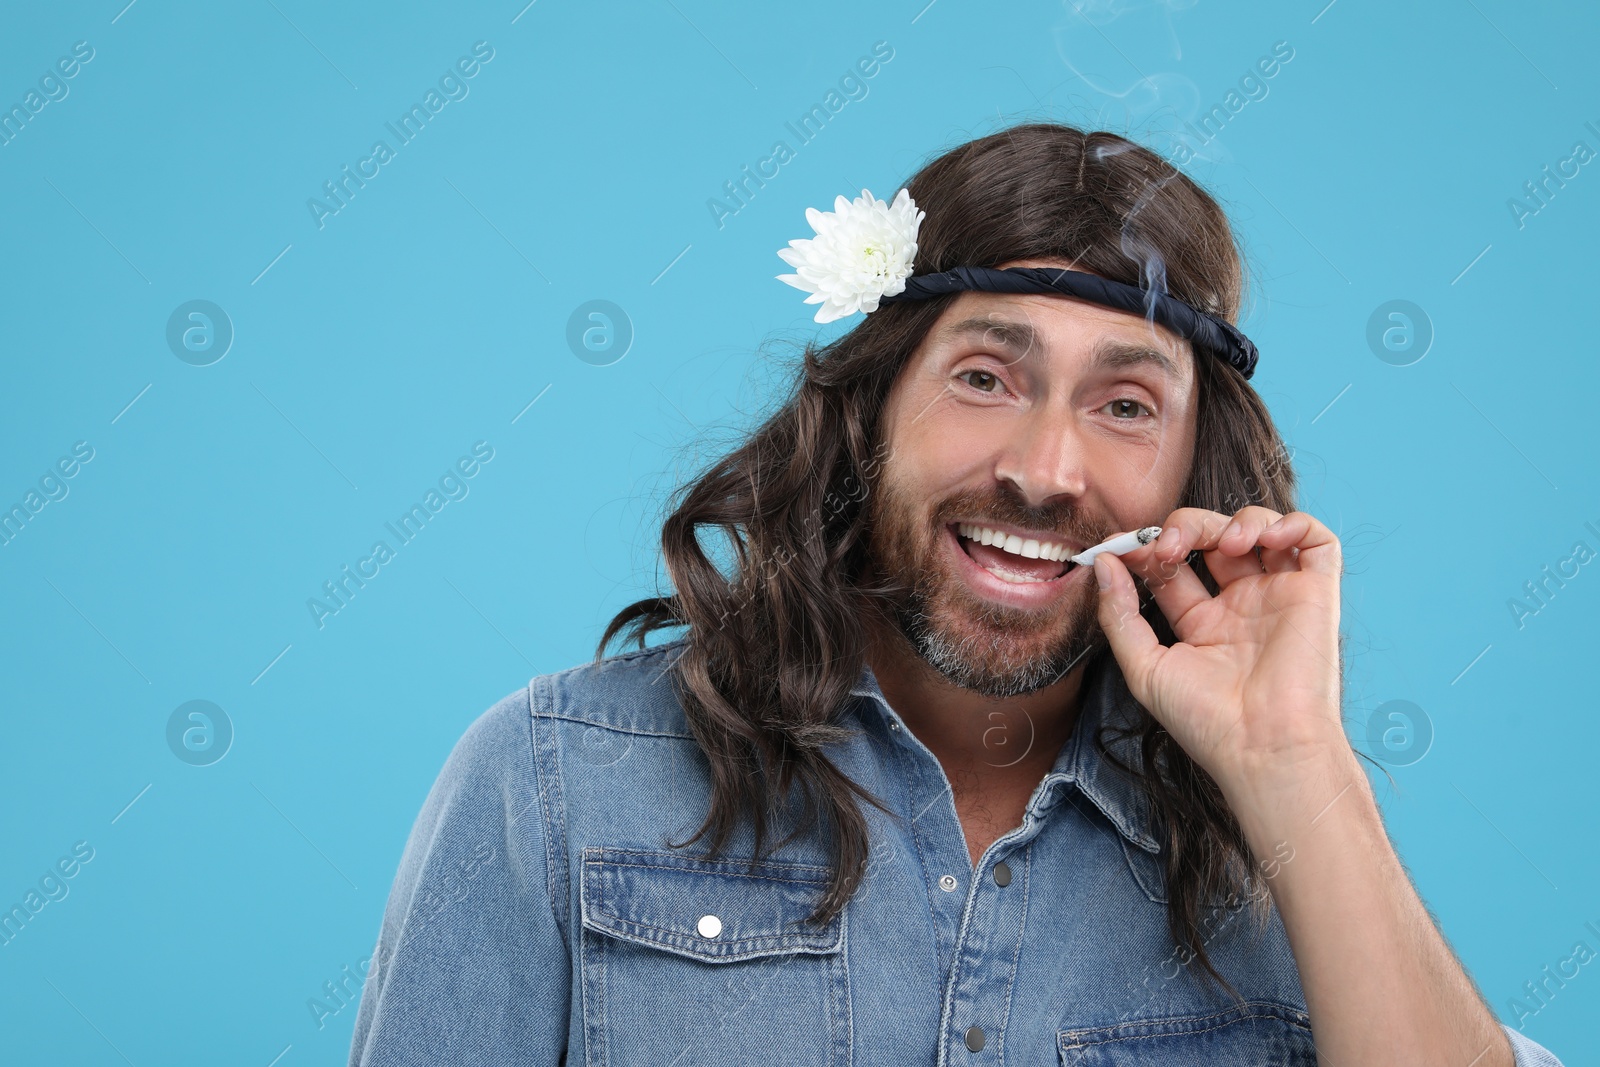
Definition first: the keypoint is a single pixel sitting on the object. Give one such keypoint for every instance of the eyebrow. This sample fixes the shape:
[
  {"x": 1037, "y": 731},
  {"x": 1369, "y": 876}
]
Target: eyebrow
[{"x": 1020, "y": 337}]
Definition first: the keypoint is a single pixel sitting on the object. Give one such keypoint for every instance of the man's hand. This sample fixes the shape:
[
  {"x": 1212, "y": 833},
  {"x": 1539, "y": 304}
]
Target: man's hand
[{"x": 1251, "y": 691}]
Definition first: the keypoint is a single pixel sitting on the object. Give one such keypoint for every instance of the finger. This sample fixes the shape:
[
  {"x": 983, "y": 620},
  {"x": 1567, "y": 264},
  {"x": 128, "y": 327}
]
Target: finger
[
  {"x": 1173, "y": 584},
  {"x": 1317, "y": 549},
  {"x": 1230, "y": 544},
  {"x": 1229, "y": 569},
  {"x": 1189, "y": 528},
  {"x": 1243, "y": 532},
  {"x": 1186, "y": 530},
  {"x": 1132, "y": 641}
]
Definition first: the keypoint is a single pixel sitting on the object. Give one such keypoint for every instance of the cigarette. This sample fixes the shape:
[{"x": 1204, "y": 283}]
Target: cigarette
[{"x": 1119, "y": 544}]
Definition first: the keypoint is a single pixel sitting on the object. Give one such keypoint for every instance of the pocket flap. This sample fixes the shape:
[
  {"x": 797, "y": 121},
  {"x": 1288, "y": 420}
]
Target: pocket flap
[
  {"x": 1256, "y": 1031},
  {"x": 712, "y": 910}
]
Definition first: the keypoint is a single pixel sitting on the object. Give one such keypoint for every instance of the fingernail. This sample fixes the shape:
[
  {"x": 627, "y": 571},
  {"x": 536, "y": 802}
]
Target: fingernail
[
  {"x": 1102, "y": 573},
  {"x": 1168, "y": 538},
  {"x": 1231, "y": 530}
]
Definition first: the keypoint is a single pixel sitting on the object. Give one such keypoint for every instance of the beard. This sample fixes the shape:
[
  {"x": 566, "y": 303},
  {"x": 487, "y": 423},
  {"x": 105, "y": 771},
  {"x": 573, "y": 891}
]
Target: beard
[{"x": 976, "y": 643}]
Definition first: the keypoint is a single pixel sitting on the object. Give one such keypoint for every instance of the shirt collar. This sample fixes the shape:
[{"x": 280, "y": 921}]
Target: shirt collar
[{"x": 1105, "y": 701}]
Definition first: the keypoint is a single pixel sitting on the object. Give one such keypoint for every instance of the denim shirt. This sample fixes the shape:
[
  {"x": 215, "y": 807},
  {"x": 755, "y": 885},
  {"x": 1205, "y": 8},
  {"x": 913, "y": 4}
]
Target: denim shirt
[{"x": 539, "y": 917}]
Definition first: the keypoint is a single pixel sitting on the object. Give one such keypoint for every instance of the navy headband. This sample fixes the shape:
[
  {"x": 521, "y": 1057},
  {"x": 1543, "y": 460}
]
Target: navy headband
[{"x": 1206, "y": 332}]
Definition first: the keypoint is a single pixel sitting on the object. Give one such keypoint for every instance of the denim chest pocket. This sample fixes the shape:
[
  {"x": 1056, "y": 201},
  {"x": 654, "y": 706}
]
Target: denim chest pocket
[
  {"x": 686, "y": 961},
  {"x": 1149, "y": 874},
  {"x": 1252, "y": 1034}
]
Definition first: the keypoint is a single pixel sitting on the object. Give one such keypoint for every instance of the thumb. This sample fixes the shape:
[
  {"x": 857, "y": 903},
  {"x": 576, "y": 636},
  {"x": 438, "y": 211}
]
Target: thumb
[{"x": 1132, "y": 641}]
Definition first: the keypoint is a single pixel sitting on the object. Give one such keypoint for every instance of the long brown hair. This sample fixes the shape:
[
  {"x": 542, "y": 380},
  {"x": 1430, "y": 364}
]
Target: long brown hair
[{"x": 773, "y": 649}]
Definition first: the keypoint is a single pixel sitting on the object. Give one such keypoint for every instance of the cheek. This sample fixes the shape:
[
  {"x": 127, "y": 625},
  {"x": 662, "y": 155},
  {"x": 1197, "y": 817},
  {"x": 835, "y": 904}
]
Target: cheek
[
  {"x": 1176, "y": 460},
  {"x": 952, "y": 465},
  {"x": 1155, "y": 471},
  {"x": 1160, "y": 448},
  {"x": 945, "y": 445},
  {"x": 1154, "y": 456}
]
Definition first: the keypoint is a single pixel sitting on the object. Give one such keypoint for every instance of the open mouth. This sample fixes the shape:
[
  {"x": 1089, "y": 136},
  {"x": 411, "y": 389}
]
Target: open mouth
[{"x": 1012, "y": 559}]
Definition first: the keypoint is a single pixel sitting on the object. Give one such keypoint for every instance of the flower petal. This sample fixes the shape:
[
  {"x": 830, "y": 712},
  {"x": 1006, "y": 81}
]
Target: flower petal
[{"x": 862, "y": 251}]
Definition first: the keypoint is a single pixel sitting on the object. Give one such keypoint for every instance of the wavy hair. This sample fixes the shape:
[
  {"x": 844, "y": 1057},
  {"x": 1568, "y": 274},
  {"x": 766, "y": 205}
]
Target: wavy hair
[{"x": 772, "y": 650}]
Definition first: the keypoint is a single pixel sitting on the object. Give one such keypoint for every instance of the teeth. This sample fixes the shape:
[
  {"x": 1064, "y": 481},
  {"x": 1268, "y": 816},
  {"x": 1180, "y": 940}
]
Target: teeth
[
  {"x": 1014, "y": 579},
  {"x": 1012, "y": 543}
]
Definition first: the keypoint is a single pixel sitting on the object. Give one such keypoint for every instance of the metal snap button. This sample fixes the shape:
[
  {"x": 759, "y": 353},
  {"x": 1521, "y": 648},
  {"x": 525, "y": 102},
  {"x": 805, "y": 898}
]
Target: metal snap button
[
  {"x": 894, "y": 725},
  {"x": 710, "y": 926},
  {"x": 975, "y": 1038},
  {"x": 947, "y": 882},
  {"x": 1002, "y": 874}
]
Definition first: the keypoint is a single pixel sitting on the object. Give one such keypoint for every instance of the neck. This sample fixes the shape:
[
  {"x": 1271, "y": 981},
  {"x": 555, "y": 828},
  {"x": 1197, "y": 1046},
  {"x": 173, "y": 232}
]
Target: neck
[{"x": 987, "y": 741}]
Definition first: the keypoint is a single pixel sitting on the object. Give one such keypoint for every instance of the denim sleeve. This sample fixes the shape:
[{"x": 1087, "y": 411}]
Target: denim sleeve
[
  {"x": 1528, "y": 1052},
  {"x": 471, "y": 966}
]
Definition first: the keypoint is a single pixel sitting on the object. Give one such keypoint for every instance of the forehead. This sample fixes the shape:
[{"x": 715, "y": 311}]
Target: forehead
[{"x": 1061, "y": 329}]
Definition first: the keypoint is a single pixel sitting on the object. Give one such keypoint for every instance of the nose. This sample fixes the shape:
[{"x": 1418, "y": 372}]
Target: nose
[{"x": 1044, "y": 457}]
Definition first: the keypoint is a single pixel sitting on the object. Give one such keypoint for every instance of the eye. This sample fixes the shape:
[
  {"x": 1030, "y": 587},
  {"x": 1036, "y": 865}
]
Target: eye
[
  {"x": 990, "y": 382},
  {"x": 1124, "y": 408}
]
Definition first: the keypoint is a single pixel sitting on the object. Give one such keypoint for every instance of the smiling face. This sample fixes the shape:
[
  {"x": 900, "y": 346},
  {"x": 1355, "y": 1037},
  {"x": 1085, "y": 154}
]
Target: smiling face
[{"x": 1022, "y": 419}]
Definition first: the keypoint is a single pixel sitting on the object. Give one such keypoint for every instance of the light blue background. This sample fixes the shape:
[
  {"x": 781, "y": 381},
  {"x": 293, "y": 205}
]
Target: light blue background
[{"x": 429, "y": 312}]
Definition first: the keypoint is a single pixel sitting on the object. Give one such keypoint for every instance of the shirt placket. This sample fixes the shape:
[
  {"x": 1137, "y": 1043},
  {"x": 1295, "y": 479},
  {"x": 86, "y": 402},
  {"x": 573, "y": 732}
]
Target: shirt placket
[
  {"x": 987, "y": 905},
  {"x": 989, "y": 941}
]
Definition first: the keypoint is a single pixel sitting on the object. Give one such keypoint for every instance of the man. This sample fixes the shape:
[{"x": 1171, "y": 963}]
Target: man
[{"x": 1029, "y": 814}]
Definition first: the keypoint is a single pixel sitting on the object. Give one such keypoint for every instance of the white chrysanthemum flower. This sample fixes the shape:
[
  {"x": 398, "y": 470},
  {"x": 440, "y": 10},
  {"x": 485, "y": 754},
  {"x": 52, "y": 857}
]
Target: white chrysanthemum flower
[{"x": 862, "y": 252}]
